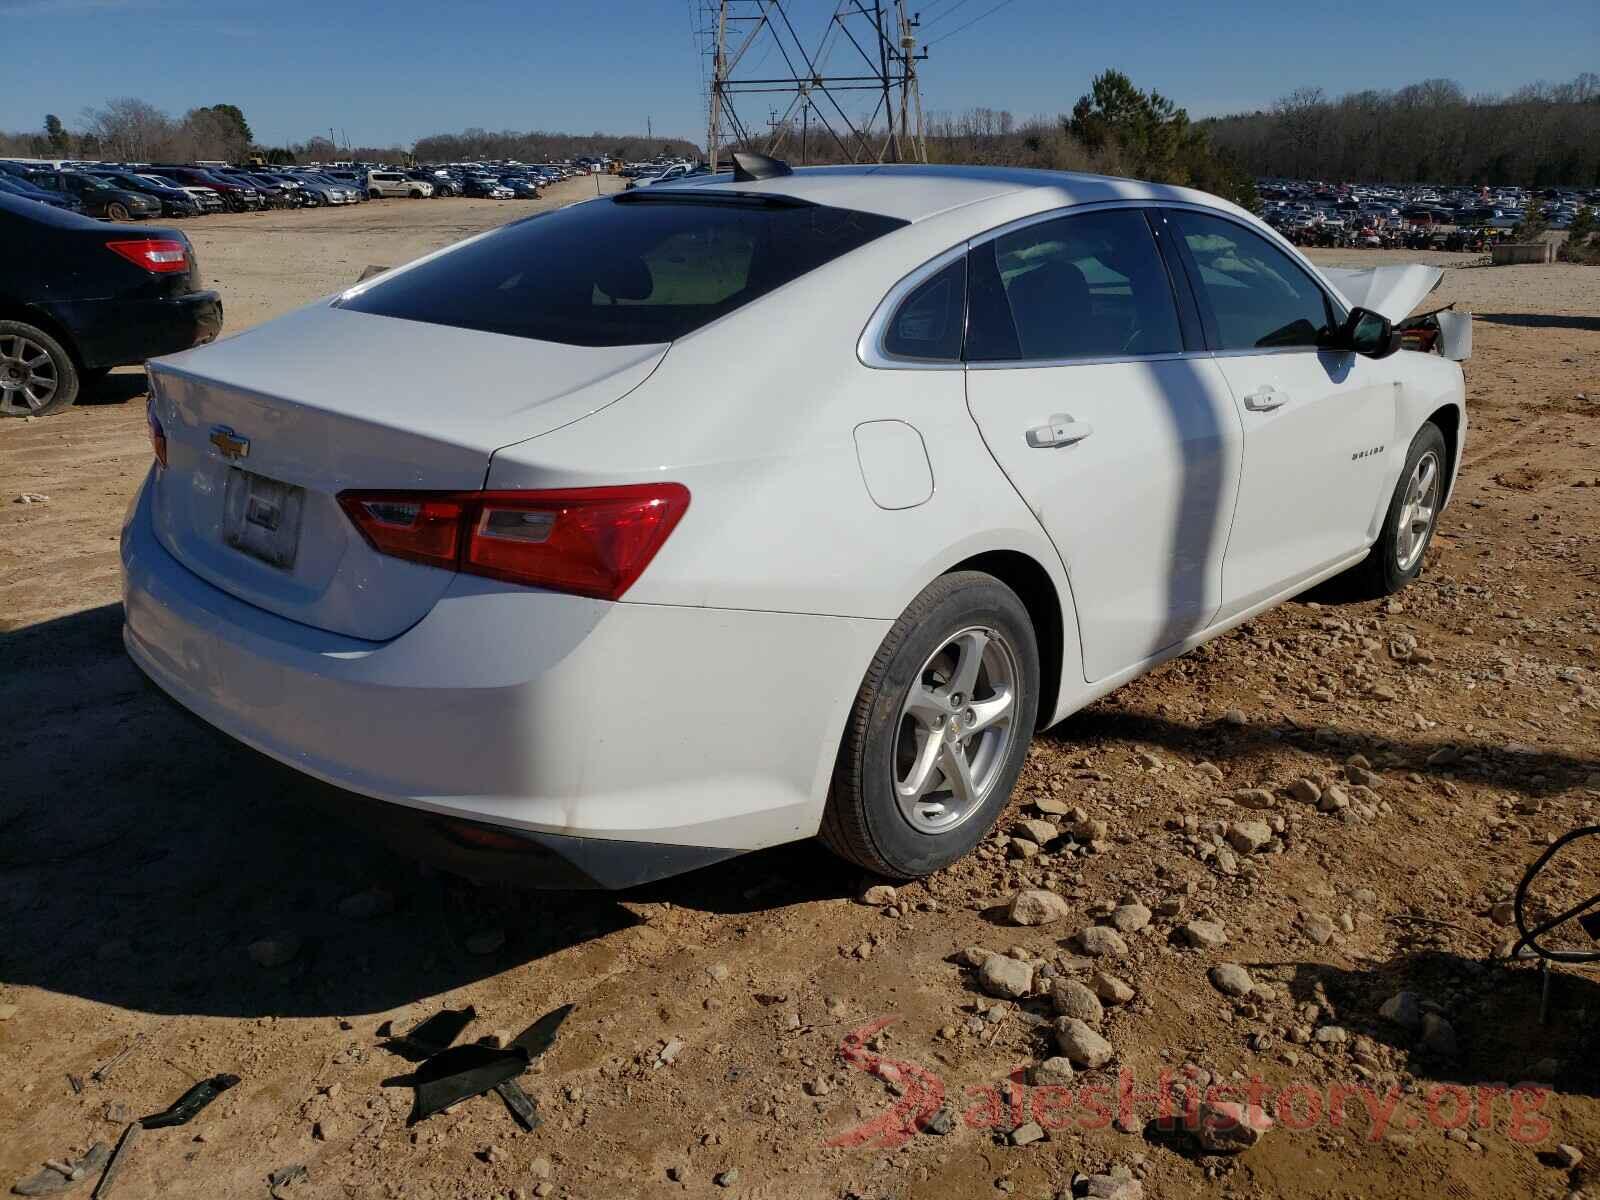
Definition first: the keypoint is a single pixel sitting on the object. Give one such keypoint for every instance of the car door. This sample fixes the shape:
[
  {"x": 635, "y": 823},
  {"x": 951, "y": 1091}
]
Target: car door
[
  {"x": 1092, "y": 391},
  {"x": 1315, "y": 421}
]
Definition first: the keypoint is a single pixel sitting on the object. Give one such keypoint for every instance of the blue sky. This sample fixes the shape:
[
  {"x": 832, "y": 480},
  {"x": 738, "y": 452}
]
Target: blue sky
[{"x": 391, "y": 72}]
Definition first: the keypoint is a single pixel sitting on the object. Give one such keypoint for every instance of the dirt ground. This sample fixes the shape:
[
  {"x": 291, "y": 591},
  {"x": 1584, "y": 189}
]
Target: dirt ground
[{"x": 141, "y": 859}]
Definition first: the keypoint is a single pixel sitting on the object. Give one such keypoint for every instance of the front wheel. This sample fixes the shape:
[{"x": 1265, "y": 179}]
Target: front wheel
[
  {"x": 939, "y": 730},
  {"x": 116, "y": 212},
  {"x": 1413, "y": 514}
]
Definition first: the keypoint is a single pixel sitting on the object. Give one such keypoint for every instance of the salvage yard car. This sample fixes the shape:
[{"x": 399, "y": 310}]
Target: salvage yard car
[
  {"x": 78, "y": 297},
  {"x": 767, "y": 506}
]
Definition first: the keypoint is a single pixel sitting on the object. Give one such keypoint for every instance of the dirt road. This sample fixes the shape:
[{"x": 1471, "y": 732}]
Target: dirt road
[{"x": 141, "y": 859}]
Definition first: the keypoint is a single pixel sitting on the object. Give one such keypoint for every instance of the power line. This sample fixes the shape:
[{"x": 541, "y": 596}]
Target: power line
[
  {"x": 930, "y": 19},
  {"x": 971, "y": 23}
]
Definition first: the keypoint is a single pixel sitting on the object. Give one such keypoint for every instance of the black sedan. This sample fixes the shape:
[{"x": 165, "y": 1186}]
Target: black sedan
[
  {"x": 78, "y": 298},
  {"x": 99, "y": 198},
  {"x": 175, "y": 202}
]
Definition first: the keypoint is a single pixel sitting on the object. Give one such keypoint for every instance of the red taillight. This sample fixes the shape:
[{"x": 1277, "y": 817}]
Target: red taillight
[
  {"x": 588, "y": 541},
  {"x": 161, "y": 255},
  {"x": 158, "y": 435}
]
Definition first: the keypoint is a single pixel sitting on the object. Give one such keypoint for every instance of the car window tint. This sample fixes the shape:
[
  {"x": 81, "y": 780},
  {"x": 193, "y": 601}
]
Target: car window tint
[
  {"x": 928, "y": 323},
  {"x": 1085, "y": 286},
  {"x": 617, "y": 272},
  {"x": 1260, "y": 297}
]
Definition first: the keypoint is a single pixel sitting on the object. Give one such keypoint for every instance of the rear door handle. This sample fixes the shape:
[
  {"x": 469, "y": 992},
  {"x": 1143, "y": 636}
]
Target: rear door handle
[
  {"x": 1063, "y": 430},
  {"x": 1265, "y": 399}
]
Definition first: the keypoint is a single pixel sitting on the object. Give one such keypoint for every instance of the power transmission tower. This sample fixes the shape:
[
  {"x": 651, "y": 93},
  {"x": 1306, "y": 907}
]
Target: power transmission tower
[{"x": 880, "y": 32}]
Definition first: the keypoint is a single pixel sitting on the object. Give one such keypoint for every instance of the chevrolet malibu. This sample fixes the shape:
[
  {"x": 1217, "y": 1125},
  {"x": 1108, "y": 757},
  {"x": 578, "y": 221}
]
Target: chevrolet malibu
[{"x": 704, "y": 517}]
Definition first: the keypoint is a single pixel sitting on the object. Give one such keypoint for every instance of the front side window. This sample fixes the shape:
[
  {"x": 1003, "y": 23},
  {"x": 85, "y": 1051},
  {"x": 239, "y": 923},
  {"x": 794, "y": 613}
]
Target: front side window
[
  {"x": 1086, "y": 286},
  {"x": 1261, "y": 298},
  {"x": 622, "y": 271}
]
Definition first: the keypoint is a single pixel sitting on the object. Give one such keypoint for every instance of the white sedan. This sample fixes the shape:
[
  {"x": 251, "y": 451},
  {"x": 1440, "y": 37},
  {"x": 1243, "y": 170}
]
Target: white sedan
[{"x": 705, "y": 517}]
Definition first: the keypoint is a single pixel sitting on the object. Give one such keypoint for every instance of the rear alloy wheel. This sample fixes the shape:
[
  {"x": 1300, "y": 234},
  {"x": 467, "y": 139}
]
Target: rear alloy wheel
[
  {"x": 939, "y": 731},
  {"x": 37, "y": 376},
  {"x": 117, "y": 212},
  {"x": 1396, "y": 557}
]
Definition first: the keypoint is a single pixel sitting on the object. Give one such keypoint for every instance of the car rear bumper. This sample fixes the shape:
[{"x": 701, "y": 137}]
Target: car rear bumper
[
  {"x": 677, "y": 735},
  {"x": 114, "y": 333}
]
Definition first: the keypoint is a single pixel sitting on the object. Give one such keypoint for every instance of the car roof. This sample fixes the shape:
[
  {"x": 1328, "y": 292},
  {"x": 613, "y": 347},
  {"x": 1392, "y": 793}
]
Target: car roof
[{"x": 915, "y": 192}]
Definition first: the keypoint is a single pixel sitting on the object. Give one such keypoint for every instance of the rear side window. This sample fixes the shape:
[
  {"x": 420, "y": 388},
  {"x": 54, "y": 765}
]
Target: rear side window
[
  {"x": 1260, "y": 297},
  {"x": 1086, "y": 286},
  {"x": 929, "y": 323},
  {"x": 620, "y": 272}
]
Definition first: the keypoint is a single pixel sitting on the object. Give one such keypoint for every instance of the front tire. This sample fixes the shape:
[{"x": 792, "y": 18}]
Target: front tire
[
  {"x": 116, "y": 212},
  {"x": 939, "y": 730},
  {"x": 37, "y": 375},
  {"x": 1413, "y": 514}
]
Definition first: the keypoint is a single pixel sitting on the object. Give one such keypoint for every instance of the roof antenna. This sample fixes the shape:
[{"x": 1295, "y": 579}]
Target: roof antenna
[{"x": 748, "y": 167}]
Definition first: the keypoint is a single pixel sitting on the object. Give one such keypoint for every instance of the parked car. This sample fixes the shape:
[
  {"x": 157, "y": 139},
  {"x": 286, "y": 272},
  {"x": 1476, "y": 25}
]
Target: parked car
[
  {"x": 78, "y": 297},
  {"x": 175, "y": 202},
  {"x": 98, "y": 198},
  {"x": 395, "y": 183},
  {"x": 356, "y": 183},
  {"x": 237, "y": 195},
  {"x": 208, "y": 199},
  {"x": 16, "y": 185},
  {"x": 592, "y": 622},
  {"x": 523, "y": 189},
  {"x": 485, "y": 187}
]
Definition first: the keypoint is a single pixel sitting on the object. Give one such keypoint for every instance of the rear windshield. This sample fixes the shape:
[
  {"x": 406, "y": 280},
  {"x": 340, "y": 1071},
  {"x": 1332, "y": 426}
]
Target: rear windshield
[{"x": 622, "y": 271}]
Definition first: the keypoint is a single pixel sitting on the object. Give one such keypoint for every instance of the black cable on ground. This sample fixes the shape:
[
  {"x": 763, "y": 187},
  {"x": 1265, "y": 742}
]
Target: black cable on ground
[{"x": 1530, "y": 938}]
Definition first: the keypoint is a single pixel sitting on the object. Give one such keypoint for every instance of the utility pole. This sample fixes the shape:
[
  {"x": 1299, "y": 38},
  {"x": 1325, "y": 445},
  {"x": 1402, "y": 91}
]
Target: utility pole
[{"x": 718, "y": 78}]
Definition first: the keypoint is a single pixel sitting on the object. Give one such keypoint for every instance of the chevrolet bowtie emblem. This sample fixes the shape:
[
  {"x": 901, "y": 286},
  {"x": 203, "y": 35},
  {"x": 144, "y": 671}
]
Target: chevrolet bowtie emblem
[{"x": 230, "y": 444}]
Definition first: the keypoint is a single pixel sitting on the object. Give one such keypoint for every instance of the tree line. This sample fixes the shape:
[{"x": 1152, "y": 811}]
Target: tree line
[
  {"x": 1542, "y": 135},
  {"x": 133, "y": 130}
]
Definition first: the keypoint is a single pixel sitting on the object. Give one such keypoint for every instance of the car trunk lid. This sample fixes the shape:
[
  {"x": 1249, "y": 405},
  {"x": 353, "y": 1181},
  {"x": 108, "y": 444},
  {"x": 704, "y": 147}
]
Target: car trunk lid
[{"x": 264, "y": 430}]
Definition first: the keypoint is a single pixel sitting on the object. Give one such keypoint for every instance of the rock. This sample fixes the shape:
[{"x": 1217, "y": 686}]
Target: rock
[
  {"x": 1110, "y": 989},
  {"x": 1331, "y": 1035},
  {"x": 32, "y": 498},
  {"x": 1081, "y": 1044},
  {"x": 1041, "y": 833},
  {"x": 1129, "y": 918},
  {"x": 974, "y": 956},
  {"x": 879, "y": 895},
  {"x": 1568, "y": 1157},
  {"x": 363, "y": 906},
  {"x": 941, "y": 1123},
  {"x": 1226, "y": 1127},
  {"x": 1005, "y": 977},
  {"x": 1171, "y": 906},
  {"x": 726, "y": 1178},
  {"x": 60, "y": 1176},
  {"x": 1021, "y": 847},
  {"x": 1438, "y": 1036},
  {"x": 1318, "y": 928},
  {"x": 1073, "y": 999},
  {"x": 485, "y": 941},
  {"x": 1231, "y": 979},
  {"x": 1333, "y": 799},
  {"x": 1205, "y": 935},
  {"x": 1235, "y": 716},
  {"x": 1255, "y": 798},
  {"x": 1307, "y": 791},
  {"x": 1027, "y": 1134},
  {"x": 1052, "y": 1072},
  {"x": 1114, "y": 1187},
  {"x": 1101, "y": 941},
  {"x": 1247, "y": 837},
  {"x": 539, "y": 1168},
  {"x": 1035, "y": 906},
  {"x": 1404, "y": 1009},
  {"x": 1052, "y": 807},
  {"x": 1503, "y": 913},
  {"x": 719, "y": 972},
  {"x": 275, "y": 951}
]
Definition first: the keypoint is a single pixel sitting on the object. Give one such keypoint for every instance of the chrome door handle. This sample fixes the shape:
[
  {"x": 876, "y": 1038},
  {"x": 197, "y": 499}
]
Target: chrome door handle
[
  {"x": 1265, "y": 399},
  {"x": 1063, "y": 430}
]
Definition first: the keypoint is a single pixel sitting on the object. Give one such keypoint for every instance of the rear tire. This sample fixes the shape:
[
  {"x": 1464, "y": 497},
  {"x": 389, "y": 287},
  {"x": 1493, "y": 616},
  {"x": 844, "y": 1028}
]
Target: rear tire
[
  {"x": 1408, "y": 525},
  {"x": 37, "y": 375},
  {"x": 939, "y": 730},
  {"x": 116, "y": 212}
]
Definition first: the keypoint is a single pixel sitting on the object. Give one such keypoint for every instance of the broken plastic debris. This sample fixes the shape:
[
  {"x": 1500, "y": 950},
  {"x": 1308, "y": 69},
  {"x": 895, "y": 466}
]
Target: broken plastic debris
[
  {"x": 461, "y": 1073},
  {"x": 130, "y": 1135},
  {"x": 435, "y": 1035},
  {"x": 522, "y": 1108},
  {"x": 191, "y": 1102},
  {"x": 52, "y": 1179}
]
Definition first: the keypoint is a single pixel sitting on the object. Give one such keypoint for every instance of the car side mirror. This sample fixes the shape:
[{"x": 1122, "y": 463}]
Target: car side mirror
[{"x": 1364, "y": 332}]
